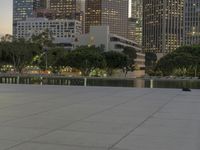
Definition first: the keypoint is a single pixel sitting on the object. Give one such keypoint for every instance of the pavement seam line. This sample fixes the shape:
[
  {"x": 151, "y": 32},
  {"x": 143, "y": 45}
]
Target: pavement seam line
[{"x": 139, "y": 125}]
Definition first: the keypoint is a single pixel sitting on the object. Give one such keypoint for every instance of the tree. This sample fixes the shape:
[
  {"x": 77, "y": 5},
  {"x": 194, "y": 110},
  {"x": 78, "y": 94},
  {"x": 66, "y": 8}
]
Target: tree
[
  {"x": 115, "y": 60},
  {"x": 56, "y": 59},
  {"x": 7, "y": 38},
  {"x": 18, "y": 53},
  {"x": 150, "y": 59},
  {"x": 131, "y": 54},
  {"x": 150, "y": 62},
  {"x": 85, "y": 59},
  {"x": 183, "y": 58},
  {"x": 44, "y": 39}
]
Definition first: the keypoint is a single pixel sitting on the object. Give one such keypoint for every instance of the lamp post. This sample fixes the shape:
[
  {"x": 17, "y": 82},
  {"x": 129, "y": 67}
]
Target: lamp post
[{"x": 46, "y": 59}]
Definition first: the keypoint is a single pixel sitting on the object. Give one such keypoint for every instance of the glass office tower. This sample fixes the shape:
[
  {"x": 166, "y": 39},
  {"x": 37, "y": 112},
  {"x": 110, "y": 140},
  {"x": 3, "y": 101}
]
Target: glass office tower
[
  {"x": 162, "y": 25},
  {"x": 70, "y": 9},
  {"x": 191, "y": 34},
  {"x": 22, "y": 9},
  {"x": 136, "y": 14},
  {"x": 113, "y": 13}
]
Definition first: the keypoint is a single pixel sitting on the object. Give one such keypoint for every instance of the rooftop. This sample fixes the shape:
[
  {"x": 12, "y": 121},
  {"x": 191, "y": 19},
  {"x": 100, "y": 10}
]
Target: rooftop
[{"x": 98, "y": 118}]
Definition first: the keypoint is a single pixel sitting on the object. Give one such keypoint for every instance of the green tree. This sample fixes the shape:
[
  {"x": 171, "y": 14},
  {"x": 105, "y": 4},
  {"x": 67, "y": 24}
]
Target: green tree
[
  {"x": 7, "y": 38},
  {"x": 184, "y": 58},
  {"x": 131, "y": 54},
  {"x": 18, "y": 53},
  {"x": 115, "y": 60},
  {"x": 85, "y": 59},
  {"x": 55, "y": 59},
  {"x": 44, "y": 39},
  {"x": 150, "y": 59}
]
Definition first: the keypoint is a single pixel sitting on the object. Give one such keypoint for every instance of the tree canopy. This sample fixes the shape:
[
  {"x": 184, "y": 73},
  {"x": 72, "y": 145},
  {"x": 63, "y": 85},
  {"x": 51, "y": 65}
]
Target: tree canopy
[
  {"x": 115, "y": 60},
  {"x": 85, "y": 59},
  {"x": 185, "y": 57},
  {"x": 150, "y": 59},
  {"x": 18, "y": 53},
  {"x": 131, "y": 54},
  {"x": 55, "y": 59}
]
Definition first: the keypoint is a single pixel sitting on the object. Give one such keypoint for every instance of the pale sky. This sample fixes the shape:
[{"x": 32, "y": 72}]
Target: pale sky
[{"x": 6, "y": 16}]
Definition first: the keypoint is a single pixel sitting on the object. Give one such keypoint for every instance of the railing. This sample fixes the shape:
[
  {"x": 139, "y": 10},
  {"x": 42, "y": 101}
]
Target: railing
[{"x": 114, "y": 82}]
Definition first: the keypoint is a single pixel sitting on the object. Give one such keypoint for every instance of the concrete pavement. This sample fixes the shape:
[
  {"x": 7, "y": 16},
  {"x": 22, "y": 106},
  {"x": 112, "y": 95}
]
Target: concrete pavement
[{"x": 34, "y": 117}]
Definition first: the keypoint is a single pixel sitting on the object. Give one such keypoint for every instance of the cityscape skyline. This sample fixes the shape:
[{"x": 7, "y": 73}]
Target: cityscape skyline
[{"x": 6, "y": 7}]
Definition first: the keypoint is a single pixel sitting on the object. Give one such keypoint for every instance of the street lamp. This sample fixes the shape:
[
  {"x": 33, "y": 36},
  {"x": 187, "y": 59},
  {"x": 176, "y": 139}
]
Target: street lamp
[{"x": 46, "y": 60}]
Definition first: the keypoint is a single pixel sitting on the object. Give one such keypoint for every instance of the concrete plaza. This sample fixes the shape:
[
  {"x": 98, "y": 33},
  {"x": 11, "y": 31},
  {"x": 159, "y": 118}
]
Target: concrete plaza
[{"x": 34, "y": 117}]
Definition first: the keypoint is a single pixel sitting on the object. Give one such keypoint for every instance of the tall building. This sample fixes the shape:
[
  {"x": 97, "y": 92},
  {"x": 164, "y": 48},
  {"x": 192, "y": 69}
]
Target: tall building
[
  {"x": 162, "y": 25},
  {"x": 40, "y": 4},
  {"x": 52, "y": 9},
  {"x": 191, "y": 34},
  {"x": 113, "y": 13},
  {"x": 22, "y": 9},
  {"x": 136, "y": 13},
  {"x": 70, "y": 9},
  {"x": 136, "y": 8},
  {"x": 131, "y": 28}
]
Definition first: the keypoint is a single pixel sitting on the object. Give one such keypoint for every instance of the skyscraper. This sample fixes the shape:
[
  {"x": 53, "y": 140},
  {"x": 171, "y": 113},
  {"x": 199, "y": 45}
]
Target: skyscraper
[
  {"x": 40, "y": 4},
  {"x": 59, "y": 9},
  {"x": 22, "y": 9},
  {"x": 70, "y": 9},
  {"x": 131, "y": 29},
  {"x": 136, "y": 8},
  {"x": 136, "y": 13},
  {"x": 113, "y": 13},
  {"x": 191, "y": 34},
  {"x": 162, "y": 25}
]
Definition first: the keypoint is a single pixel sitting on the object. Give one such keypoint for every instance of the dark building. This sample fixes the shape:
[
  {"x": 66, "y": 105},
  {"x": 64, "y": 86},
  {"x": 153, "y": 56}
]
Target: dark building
[
  {"x": 136, "y": 14},
  {"x": 40, "y": 4},
  {"x": 22, "y": 9},
  {"x": 113, "y": 13},
  {"x": 162, "y": 25},
  {"x": 70, "y": 9},
  {"x": 191, "y": 34}
]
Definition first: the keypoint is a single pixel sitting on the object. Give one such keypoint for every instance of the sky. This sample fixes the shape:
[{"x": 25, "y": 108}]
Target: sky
[{"x": 6, "y": 17}]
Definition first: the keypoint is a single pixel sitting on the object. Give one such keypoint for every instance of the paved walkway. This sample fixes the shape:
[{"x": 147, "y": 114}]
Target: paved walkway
[{"x": 95, "y": 118}]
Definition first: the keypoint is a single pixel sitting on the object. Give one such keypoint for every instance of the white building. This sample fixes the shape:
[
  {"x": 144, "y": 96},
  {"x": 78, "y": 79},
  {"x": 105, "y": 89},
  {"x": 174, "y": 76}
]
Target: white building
[
  {"x": 64, "y": 31},
  {"x": 100, "y": 36}
]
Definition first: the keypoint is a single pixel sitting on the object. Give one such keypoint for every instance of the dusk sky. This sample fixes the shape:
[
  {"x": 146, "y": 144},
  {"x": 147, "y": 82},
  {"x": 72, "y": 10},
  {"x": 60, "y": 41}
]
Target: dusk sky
[{"x": 5, "y": 16}]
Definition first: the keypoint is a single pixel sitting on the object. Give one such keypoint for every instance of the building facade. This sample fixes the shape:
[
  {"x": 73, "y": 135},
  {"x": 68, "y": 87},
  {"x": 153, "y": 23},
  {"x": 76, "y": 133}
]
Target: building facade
[
  {"x": 113, "y": 13},
  {"x": 136, "y": 8},
  {"x": 21, "y": 11},
  {"x": 40, "y": 4},
  {"x": 137, "y": 14},
  {"x": 100, "y": 36},
  {"x": 64, "y": 31},
  {"x": 191, "y": 34},
  {"x": 131, "y": 29},
  {"x": 70, "y": 9},
  {"x": 162, "y": 25}
]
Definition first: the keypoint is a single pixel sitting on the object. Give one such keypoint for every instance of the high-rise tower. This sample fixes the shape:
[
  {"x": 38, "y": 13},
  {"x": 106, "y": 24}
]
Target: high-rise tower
[
  {"x": 70, "y": 9},
  {"x": 52, "y": 9},
  {"x": 136, "y": 15},
  {"x": 21, "y": 11},
  {"x": 113, "y": 13},
  {"x": 162, "y": 25},
  {"x": 191, "y": 30}
]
